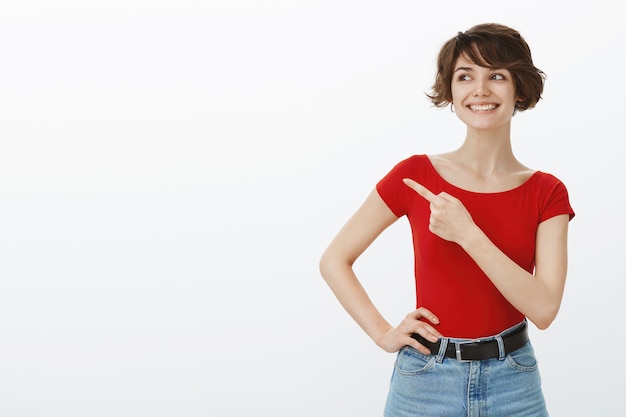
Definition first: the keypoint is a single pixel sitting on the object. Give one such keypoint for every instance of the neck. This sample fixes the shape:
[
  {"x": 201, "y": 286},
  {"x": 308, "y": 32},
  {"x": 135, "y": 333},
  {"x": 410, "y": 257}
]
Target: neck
[{"x": 488, "y": 151}]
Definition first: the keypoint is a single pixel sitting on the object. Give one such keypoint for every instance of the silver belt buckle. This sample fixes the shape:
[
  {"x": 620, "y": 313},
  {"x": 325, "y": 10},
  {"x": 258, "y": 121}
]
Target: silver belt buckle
[{"x": 459, "y": 356}]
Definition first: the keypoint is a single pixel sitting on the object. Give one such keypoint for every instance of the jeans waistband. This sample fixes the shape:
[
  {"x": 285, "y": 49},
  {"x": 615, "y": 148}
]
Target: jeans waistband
[{"x": 491, "y": 347}]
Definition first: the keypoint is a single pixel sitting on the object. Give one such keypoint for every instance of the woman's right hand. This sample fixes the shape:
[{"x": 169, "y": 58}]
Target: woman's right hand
[{"x": 395, "y": 338}]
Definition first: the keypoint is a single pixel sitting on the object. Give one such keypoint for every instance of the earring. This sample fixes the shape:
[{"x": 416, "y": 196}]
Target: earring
[{"x": 452, "y": 107}]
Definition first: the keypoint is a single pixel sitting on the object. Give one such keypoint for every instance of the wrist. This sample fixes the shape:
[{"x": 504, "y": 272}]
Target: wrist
[
  {"x": 472, "y": 239},
  {"x": 379, "y": 337}
]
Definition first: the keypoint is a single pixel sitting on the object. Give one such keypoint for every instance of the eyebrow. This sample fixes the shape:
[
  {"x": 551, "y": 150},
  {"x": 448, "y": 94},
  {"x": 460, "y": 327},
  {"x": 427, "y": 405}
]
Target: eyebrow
[{"x": 463, "y": 69}]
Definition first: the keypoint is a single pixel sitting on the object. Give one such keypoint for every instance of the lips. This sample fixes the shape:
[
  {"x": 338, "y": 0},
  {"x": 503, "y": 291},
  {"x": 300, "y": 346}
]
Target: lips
[{"x": 482, "y": 107}]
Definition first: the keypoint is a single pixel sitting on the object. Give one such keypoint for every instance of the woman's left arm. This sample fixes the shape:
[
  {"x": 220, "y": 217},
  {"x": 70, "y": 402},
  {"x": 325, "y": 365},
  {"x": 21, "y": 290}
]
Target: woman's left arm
[{"x": 536, "y": 296}]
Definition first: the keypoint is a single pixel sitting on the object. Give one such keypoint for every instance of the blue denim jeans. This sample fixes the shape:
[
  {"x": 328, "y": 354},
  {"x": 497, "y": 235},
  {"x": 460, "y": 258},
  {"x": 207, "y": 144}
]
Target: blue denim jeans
[{"x": 437, "y": 386}]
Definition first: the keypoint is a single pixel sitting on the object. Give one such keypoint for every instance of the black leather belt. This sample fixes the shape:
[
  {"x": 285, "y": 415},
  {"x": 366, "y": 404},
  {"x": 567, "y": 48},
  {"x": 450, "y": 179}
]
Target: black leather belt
[{"x": 477, "y": 350}]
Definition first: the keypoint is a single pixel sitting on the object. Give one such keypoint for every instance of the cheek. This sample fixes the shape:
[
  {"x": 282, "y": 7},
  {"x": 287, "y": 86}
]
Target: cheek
[
  {"x": 459, "y": 91},
  {"x": 454, "y": 92}
]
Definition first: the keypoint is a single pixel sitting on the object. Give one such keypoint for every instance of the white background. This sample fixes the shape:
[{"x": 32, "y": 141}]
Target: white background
[{"x": 170, "y": 173}]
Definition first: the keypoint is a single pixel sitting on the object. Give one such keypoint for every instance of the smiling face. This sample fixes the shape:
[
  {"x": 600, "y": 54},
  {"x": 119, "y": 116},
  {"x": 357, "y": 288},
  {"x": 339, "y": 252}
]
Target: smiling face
[
  {"x": 483, "y": 98},
  {"x": 489, "y": 45}
]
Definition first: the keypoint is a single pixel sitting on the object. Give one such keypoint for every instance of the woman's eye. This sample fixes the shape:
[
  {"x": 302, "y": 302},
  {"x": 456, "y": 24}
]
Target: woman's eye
[
  {"x": 464, "y": 77},
  {"x": 497, "y": 77}
]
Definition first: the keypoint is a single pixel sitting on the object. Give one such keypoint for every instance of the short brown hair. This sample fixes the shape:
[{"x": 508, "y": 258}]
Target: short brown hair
[{"x": 490, "y": 45}]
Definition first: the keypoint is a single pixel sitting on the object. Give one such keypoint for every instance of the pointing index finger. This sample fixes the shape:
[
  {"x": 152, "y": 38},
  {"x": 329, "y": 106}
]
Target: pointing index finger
[{"x": 420, "y": 189}]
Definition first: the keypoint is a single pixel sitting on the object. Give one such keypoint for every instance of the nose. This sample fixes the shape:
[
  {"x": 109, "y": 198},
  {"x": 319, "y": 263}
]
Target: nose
[{"x": 481, "y": 88}]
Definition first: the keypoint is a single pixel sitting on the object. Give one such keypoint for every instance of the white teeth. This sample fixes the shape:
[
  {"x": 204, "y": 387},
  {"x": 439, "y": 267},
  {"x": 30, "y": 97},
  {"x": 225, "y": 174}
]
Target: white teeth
[{"x": 482, "y": 107}]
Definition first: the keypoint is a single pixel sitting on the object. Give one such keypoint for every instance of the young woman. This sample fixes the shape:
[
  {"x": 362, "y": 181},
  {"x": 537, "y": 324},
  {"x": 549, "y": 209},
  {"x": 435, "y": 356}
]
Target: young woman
[{"x": 490, "y": 243}]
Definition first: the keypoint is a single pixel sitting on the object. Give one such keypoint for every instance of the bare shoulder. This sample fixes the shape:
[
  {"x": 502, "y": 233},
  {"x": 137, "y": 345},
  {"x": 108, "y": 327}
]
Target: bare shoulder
[{"x": 445, "y": 164}]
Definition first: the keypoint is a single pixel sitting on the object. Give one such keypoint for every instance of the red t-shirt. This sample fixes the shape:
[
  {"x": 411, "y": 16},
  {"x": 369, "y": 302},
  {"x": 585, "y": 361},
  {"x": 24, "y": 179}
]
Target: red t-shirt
[{"x": 448, "y": 282}]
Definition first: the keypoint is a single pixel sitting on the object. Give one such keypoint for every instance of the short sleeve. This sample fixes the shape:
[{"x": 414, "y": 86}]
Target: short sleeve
[
  {"x": 392, "y": 189},
  {"x": 557, "y": 201}
]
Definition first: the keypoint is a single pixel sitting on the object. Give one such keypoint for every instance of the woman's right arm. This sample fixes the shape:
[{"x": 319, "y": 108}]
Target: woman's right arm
[{"x": 357, "y": 234}]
